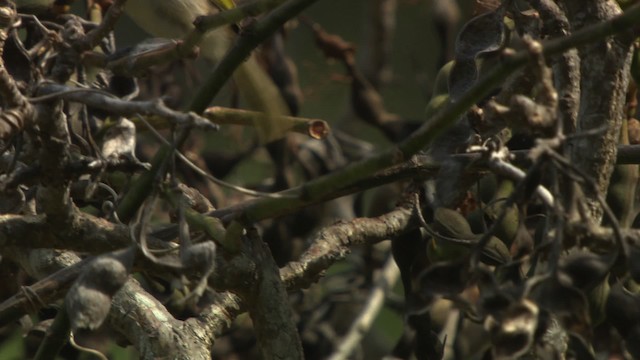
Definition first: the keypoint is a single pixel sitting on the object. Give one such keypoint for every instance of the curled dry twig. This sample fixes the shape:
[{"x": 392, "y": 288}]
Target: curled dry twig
[{"x": 18, "y": 112}]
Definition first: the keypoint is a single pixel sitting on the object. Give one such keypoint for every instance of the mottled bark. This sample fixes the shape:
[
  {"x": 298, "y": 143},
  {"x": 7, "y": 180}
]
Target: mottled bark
[
  {"x": 604, "y": 72},
  {"x": 155, "y": 333}
]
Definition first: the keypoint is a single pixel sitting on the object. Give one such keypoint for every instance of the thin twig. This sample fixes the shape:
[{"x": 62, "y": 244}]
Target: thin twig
[
  {"x": 93, "y": 38},
  {"x": 114, "y": 105},
  {"x": 202, "y": 172},
  {"x": 243, "y": 47},
  {"x": 615, "y": 224},
  {"x": 87, "y": 350},
  {"x": 501, "y": 167},
  {"x": 315, "y": 128},
  {"x": 320, "y": 188}
]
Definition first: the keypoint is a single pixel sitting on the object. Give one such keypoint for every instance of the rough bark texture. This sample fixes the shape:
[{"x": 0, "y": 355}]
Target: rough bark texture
[
  {"x": 605, "y": 77},
  {"x": 139, "y": 316}
]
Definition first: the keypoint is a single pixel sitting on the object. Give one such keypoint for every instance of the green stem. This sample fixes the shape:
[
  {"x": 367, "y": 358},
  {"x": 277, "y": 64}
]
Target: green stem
[
  {"x": 248, "y": 40},
  {"x": 322, "y": 187},
  {"x": 134, "y": 198},
  {"x": 207, "y": 23}
]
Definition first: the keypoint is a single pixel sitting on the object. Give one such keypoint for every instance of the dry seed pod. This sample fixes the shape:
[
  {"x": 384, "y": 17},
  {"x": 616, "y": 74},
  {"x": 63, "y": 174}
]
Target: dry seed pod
[
  {"x": 87, "y": 307},
  {"x": 120, "y": 139},
  {"x": 199, "y": 255},
  {"x": 89, "y": 299},
  {"x": 483, "y": 34},
  {"x": 512, "y": 335}
]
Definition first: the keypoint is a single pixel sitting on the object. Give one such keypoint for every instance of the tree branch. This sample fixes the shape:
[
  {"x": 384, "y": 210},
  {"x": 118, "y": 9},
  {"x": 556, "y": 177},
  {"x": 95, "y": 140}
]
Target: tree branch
[
  {"x": 319, "y": 188},
  {"x": 333, "y": 243},
  {"x": 269, "y": 308},
  {"x": 605, "y": 76},
  {"x": 153, "y": 330}
]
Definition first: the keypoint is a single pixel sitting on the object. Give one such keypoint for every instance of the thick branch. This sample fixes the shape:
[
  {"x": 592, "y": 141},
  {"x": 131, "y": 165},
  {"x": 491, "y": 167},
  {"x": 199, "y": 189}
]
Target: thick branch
[
  {"x": 45, "y": 291},
  {"x": 152, "y": 329},
  {"x": 217, "y": 318},
  {"x": 238, "y": 53},
  {"x": 424, "y": 136},
  {"x": 53, "y": 192},
  {"x": 82, "y": 232},
  {"x": 269, "y": 308},
  {"x": 605, "y": 76},
  {"x": 333, "y": 243}
]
